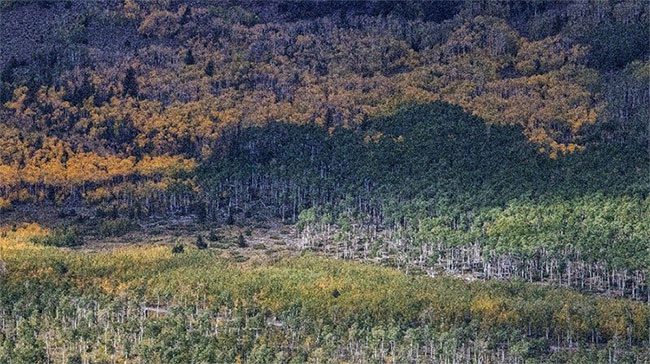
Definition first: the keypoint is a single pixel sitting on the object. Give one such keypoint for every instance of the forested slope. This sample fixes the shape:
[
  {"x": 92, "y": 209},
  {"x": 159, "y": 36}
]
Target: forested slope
[
  {"x": 480, "y": 199},
  {"x": 134, "y": 92},
  {"x": 479, "y": 147}
]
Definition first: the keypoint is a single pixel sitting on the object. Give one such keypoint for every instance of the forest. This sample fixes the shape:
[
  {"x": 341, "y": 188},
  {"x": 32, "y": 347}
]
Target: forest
[{"x": 324, "y": 181}]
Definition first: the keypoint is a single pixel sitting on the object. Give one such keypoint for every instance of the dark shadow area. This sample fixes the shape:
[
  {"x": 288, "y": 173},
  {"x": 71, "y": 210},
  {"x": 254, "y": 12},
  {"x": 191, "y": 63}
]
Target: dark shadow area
[
  {"x": 435, "y": 11},
  {"x": 433, "y": 151}
]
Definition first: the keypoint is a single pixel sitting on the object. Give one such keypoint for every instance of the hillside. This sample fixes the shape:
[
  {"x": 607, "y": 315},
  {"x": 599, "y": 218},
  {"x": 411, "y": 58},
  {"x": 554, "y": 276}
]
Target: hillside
[
  {"x": 324, "y": 181},
  {"x": 123, "y": 86}
]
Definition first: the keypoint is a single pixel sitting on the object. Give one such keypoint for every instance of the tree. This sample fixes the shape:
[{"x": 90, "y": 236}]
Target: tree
[
  {"x": 209, "y": 68},
  {"x": 186, "y": 14},
  {"x": 241, "y": 241},
  {"x": 159, "y": 24},
  {"x": 213, "y": 236},
  {"x": 200, "y": 243},
  {"x": 7, "y": 72},
  {"x": 189, "y": 58},
  {"x": 130, "y": 83},
  {"x": 67, "y": 237},
  {"x": 60, "y": 268}
]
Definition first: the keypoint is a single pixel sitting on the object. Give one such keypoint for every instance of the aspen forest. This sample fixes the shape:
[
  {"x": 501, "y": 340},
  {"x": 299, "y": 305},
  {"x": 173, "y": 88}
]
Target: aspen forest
[{"x": 320, "y": 181}]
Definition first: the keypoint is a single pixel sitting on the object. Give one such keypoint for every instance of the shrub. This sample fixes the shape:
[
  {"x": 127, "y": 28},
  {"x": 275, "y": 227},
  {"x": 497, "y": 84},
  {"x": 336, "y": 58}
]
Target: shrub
[
  {"x": 75, "y": 359},
  {"x": 60, "y": 238},
  {"x": 200, "y": 243},
  {"x": 209, "y": 68},
  {"x": 60, "y": 267},
  {"x": 213, "y": 236},
  {"x": 200, "y": 211},
  {"x": 241, "y": 242},
  {"x": 178, "y": 249},
  {"x": 8, "y": 4},
  {"x": 130, "y": 83},
  {"x": 115, "y": 227},
  {"x": 238, "y": 257}
]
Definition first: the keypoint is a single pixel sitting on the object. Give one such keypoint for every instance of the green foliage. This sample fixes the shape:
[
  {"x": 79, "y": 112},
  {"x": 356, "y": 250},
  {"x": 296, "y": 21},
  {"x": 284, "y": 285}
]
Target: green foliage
[
  {"x": 615, "y": 45},
  {"x": 235, "y": 14},
  {"x": 76, "y": 32},
  {"x": 213, "y": 236},
  {"x": 283, "y": 118},
  {"x": 259, "y": 308},
  {"x": 448, "y": 178},
  {"x": 200, "y": 243},
  {"x": 428, "y": 151},
  {"x": 241, "y": 241},
  {"x": 591, "y": 225},
  {"x": 306, "y": 218},
  {"x": 178, "y": 249},
  {"x": 65, "y": 237},
  {"x": 60, "y": 267},
  {"x": 115, "y": 227}
]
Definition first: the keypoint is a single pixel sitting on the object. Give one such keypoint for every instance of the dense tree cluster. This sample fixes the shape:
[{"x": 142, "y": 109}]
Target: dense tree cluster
[
  {"x": 481, "y": 200},
  {"x": 149, "y": 304},
  {"x": 163, "y": 78}
]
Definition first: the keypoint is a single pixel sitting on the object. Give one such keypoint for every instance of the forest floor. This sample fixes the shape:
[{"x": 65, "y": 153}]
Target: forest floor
[
  {"x": 264, "y": 243},
  {"x": 265, "y": 240}
]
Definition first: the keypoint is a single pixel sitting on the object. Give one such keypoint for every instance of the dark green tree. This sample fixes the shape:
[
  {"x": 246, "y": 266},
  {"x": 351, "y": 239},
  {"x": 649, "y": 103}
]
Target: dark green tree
[
  {"x": 130, "y": 83},
  {"x": 241, "y": 241},
  {"x": 209, "y": 68},
  {"x": 200, "y": 243},
  {"x": 189, "y": 58}
]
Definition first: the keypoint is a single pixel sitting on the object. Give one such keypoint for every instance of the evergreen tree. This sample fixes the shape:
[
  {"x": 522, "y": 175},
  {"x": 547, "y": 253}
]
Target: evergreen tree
[
  {"x": 189, "y": 58},
  {"x": 7, "y": 72},
  {"x": 200, "y": 243},
  {"x": 187, "y": 14},
  {"x": 209, "y": 68},
  {"x": 130, "y": 83},
  {"x": 241, "y": 241}
]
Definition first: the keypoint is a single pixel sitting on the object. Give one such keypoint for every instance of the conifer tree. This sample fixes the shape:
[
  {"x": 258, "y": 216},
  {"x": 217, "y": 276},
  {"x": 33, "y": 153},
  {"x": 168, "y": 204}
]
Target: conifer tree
[
  {"x": 130, "y": 83},
  {"x": 200, "y": 243},
  {"x": 241, "y": 241},
  {"x": 189, "y": 58}
]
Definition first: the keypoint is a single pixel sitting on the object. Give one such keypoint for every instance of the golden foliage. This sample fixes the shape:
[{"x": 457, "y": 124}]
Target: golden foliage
[{"x": 333, "y": 77}]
